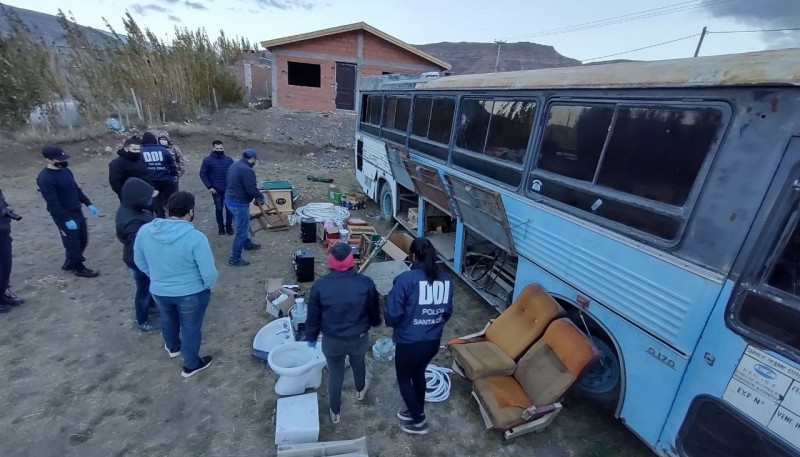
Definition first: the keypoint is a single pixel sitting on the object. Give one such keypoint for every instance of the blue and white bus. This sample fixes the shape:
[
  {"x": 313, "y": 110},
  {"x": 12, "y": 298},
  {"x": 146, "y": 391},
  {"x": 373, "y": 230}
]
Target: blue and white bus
[{"x": 659, "y": 202}]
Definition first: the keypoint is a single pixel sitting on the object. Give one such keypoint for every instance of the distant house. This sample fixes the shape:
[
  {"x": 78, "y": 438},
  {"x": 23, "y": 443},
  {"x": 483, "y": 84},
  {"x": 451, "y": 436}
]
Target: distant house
[
  {"x": 321, "y": 70},
  {"x": 253, "y": 72}
]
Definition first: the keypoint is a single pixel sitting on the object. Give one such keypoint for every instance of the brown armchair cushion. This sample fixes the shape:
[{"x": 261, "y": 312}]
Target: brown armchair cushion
[
  {"x": 479, "y": 360},
  {"x": 503, "y": 400}
]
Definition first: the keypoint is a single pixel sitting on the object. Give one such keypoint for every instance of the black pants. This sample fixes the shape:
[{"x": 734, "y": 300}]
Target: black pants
[
  {"x": 74, "y": 241},
  {"x": 220, "y": 208},
  {"x": 165, "y": 189},
  {"x": 410, "y": 361},
  {"x": 5, "y": 259}
]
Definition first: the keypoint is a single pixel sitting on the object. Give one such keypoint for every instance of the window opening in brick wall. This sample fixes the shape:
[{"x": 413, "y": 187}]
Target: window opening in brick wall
[{"x": 304, "y": 74}]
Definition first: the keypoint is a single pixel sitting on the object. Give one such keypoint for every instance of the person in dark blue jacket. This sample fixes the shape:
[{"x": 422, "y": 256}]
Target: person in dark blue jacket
[
  {"x": 242, "y": 189},
  {"x": 343, "y": 304},
  {"x": 419, "y": 304},
  {"x": 214, "y": 174},
  {"x": 162, "y": 170},
  {"x": 8, "y": 298},
  {"x": 64, "y": 198}
]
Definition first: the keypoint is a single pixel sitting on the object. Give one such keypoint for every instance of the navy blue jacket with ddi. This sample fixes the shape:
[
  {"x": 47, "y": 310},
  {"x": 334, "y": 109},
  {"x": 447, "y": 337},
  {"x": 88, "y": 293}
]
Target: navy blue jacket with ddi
[{"x": 416, "y": 309}]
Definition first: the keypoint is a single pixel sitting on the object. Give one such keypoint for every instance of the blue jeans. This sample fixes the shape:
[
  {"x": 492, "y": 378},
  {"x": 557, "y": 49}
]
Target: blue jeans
[
  {"x": 219, "y": 208},
  {"x": 241, "y": 221},
  {"x": 142, "y": 299},
  {"x": 182, "y": 322},
  {"x": 335, "y": 350}
]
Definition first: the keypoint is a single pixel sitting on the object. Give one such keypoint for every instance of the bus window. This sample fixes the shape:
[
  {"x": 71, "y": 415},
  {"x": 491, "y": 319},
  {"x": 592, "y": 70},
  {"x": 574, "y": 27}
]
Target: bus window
[
  {"x": 475, "y": 115},
  {"x": 432, "y": 121},
  {"x": 495, "y": 128},
  {"x": 666, "y": 147},
  {"x": 388, "y": 117},
  {"x": 422, "y": 116},
  {"x": 397, "y": 113},
  {"x": 371, "y": 109},
  {"x": 573, "y": 140},
  {"x": 441, "y": 120}
]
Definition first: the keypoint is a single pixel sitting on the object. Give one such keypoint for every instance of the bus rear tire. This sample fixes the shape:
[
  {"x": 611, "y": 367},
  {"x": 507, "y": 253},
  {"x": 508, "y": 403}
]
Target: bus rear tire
[
  {"x": 600, "y": 385},
  {"x": 386, "y": 201}
]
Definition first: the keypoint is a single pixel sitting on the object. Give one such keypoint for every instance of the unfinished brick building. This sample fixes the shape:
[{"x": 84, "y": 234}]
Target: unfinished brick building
[{"x": 321, "y": 70}]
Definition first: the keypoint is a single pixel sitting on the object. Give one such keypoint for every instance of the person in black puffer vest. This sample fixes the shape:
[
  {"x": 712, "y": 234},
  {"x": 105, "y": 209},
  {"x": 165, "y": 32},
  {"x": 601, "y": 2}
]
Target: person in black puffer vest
[
  {"x": 162, "y": 169},
  {"x": 7, "y": 297},
  {"x": 134, "y": 211},
  {"x": 127, "y": 164},
  {"x": 214, "y": 173}
]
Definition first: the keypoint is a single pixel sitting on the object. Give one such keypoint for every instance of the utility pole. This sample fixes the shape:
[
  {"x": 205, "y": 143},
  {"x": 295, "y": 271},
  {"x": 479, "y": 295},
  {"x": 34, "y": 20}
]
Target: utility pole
[
  {"x": 700, "y": 43},
  {"x": 497, "y": 60}
]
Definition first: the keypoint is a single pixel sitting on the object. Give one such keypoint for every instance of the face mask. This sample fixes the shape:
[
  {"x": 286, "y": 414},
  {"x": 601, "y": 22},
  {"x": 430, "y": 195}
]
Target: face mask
[
  {"x": 218, "y": 153},
  {"x": 251, "y": 163},
  {"x": 191, "y": 216},
  {"x": 163, "y": 142},
  {"x": 63, "y": 164}
]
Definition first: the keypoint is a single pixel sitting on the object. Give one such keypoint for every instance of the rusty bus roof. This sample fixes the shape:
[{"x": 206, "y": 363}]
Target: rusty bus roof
[{"x": 773, "y": 68}]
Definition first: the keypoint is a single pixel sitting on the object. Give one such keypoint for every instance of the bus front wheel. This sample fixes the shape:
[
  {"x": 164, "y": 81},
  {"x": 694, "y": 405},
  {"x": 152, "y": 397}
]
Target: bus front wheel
[
  {"x": 385, "y": 200},
  {"x": 601, "y": 384}
]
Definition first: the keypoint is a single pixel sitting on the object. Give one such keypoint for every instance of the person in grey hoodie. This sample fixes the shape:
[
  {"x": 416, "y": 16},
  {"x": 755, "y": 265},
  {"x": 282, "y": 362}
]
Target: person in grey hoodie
[
  {"x": 180, "y": 264},
  {"x": 136, "y": 199}
]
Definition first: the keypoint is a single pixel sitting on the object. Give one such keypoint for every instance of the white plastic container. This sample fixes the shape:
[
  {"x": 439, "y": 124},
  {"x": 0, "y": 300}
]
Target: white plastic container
[{"x": 297, "y": 420}]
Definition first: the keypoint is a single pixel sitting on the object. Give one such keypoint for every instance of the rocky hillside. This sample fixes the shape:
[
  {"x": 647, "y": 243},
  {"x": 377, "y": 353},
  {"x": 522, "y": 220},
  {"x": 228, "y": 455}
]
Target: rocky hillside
[
  {"x": 469, "y": 58},
  {"x": 45, "y": 27}
]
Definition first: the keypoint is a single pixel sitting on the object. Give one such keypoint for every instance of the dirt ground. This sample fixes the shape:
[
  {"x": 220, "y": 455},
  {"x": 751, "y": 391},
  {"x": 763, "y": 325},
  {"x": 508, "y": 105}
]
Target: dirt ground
[{"x": 78, "y": 379}]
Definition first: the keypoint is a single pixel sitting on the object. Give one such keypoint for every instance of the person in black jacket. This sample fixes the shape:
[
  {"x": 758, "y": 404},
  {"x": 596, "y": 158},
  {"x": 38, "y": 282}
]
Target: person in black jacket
[
  {"x": 343, "y": 305},
  {"x": 127, "y": 164},
  {"x": 214, "y": 174},
  {"x": 419, "y": 304},
  {"x": 7, "y": 297},
  {"x": 64, "y": 198},
  {"x": 134, "y": 211},
  {"x": 162, "y": 170},
  {"x": 242, "y": 189}
]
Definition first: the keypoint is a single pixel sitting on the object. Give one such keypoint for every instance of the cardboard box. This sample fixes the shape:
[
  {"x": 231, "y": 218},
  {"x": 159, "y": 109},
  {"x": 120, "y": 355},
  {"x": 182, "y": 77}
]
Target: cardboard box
[
  {"x": 282, "y": 199},
  {"x": 398, "y": 247},
  {"x": 358, "y": 230},
  {"x": 276, "y": 306}
]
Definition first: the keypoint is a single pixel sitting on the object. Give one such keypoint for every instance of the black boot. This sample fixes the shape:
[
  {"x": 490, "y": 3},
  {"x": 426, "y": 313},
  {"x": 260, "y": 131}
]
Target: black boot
[
  {"x": 82, "y": 272},
  {"x": 221, "y": 231},
  {"x": 229, "y": 229},
  {"x": 9, "y": 298}
]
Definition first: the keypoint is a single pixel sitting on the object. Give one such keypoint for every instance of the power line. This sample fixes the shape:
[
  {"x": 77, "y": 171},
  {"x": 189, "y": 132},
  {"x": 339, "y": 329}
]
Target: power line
[
  {"x": 644, "y": 47},
  {"x": 754, "y": 31},
  {"x": 644, "y": 14}
]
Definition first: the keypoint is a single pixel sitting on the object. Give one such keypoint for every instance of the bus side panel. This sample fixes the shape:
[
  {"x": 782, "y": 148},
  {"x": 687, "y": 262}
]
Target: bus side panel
[
  {"x": 711, "y": 373},
  {"x": 652, "y": 372},
  {"x": 664, "y": 297},
  {"x": 376, "y": 166}
]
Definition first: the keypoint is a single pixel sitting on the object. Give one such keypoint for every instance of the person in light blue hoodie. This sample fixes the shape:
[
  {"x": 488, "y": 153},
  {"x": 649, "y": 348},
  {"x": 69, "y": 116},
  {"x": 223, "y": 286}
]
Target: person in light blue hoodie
[{"x": 180, "y": 264}]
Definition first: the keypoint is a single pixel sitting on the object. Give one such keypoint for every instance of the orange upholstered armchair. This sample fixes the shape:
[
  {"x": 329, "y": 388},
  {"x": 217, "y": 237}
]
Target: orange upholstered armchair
[
  {"x": 495, "y": 349},
  {"x": 528, "y": 401}
]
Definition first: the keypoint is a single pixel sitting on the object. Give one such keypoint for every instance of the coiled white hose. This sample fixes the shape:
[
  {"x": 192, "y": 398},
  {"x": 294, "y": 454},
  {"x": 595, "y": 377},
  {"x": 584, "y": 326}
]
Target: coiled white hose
[
  {"x": 437, "y": 383},
  {"x": 322, "y": 212}
]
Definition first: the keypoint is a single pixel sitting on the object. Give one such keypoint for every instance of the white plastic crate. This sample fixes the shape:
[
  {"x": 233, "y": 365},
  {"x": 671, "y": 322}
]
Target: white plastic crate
[{"x": 297, "y": 419}]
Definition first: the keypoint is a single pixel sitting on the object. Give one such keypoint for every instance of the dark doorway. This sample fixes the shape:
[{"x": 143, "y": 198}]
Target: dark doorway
[{"x": 345, "y": 86}]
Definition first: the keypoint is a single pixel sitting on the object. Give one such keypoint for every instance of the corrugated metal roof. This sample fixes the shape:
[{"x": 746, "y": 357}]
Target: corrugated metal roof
[
  {"x": 278, "y": 42},
  {"x": 781, "y": 67}
]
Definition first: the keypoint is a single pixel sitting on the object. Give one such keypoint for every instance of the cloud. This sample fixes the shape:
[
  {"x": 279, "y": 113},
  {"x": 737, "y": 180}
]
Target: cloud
[
  {"x": 195, "y": 5},
  {"x": 174, "y": 18},
  {"x": 285, "y": 4},
  {"x": 763, "y": 14},
  {"x": 144, "y": 9}
]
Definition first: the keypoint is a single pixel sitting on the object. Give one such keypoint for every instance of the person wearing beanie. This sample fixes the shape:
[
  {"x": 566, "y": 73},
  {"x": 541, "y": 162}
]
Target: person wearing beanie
[
  {"x": 64, "y": 198},
  {"x": 127, "y": 164},
  {"x": 214, "y": 174},
  {"x": 419, "y": 304},
  {"x": 162, "y": 170},
  {"x": 242, "y": 189},
  {"x": 165, "y": 141},
  {"x": 342, "y": 305}
]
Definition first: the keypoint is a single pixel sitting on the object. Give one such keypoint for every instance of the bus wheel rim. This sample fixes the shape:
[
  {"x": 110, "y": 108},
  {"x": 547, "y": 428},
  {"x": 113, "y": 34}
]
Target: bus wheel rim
[{"x": 606, "y": 374}]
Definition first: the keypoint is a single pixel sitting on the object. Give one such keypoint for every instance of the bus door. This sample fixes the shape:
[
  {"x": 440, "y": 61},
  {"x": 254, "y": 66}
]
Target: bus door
[
  {"x": 740, "y": 396},
  {"x": 482, "y": 210}
]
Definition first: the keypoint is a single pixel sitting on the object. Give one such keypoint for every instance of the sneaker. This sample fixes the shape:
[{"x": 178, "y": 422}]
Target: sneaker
[
  {"x": 172, "y": 354},
  {"x": 82, "y": 272},
  {"x": 363, "y": 392},
  {"x": 335, "y": 418},
  {"x": 229, "y": 230},
  {"x": 252, "y": 247},
  {"x": 10, "y": 298},
  {"x": 147, "y": 327},
  {"x": 67, "y": 267},
  {"x": 204, "y": 363},
  {"x": 238, "y": 263},
  {"x": 221, "y": 231},
  {"x": 404, "y": 416},
  {"x": 415, "y": 429}
]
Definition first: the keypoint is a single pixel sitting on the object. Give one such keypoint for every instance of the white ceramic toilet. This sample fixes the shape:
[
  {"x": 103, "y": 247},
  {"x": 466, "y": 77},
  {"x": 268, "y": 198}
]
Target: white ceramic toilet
[{"x": 299, "y": 367}]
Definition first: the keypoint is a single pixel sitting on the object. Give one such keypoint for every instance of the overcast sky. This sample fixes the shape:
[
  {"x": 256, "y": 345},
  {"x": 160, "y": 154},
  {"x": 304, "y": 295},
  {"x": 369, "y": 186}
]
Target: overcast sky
[{"x": 429, "y": 21}]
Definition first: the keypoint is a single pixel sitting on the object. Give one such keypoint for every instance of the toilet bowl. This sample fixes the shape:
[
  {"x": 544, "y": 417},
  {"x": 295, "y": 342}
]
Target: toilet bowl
[
  {"x": 299, "y": 367},
  {"x": 272, "y": 335}
]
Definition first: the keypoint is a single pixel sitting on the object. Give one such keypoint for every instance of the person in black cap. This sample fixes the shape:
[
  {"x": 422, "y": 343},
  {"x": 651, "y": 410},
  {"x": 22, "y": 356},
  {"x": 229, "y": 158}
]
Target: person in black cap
[
  {"x": 162, "y": 169},
  {"x": 7, "y": 297},
  {"x": 343, "y": 305},
  {"x": 64, "y": 198},
  {"x": 241, "y": 190}
]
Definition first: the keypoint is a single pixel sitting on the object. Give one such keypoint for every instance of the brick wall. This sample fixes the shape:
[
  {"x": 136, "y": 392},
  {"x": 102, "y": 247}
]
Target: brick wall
[
  {"x": 342, "y": 44},
  {"x": 306, "y": 98},
  {"x": 376, "y": 48}
]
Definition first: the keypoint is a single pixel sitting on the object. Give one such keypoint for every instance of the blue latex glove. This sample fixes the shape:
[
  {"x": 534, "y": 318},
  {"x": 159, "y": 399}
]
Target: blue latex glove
[
  {"x": 93, "y": 210},
  {"x": 71, "y": 225},
  {"x": 262, "y": 202},
  {"x": 312, "y": 344}
]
